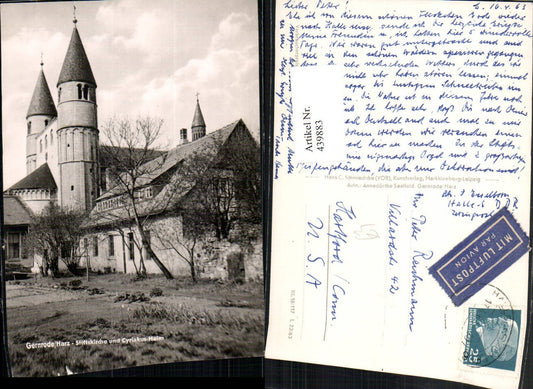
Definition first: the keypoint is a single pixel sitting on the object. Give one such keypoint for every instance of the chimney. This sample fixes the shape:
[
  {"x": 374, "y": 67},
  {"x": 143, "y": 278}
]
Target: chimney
[{"x": 183, "y": 137}]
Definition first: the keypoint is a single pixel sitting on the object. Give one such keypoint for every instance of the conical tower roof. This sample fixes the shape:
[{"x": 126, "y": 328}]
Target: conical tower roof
[
  {"x": 76, "y": 66},
  {"x": 41, "y": 101},
  {"x": 198, "y": 119}
]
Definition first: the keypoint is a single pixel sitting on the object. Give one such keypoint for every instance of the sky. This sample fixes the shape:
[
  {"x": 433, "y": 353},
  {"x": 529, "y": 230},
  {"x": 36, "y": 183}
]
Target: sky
[{"x": 149, "y": 58}]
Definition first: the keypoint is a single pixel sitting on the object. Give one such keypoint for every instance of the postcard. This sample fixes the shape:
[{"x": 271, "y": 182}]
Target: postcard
[
  {"x": 132, "y": 223},
  {"x": 401, "y": 187}
]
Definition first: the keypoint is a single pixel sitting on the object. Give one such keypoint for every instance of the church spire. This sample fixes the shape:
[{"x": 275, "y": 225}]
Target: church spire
[
  {"x": 198, "y": 123},
  {"x": 76, "y": 66},
  {"x": 41, "y": 101}
]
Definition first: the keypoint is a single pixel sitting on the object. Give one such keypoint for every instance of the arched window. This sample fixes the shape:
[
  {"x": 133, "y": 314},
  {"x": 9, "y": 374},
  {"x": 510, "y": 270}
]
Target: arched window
[
  {"x": 45, "y": 141},
  {"x": 51, "y": 138},
  {"x": 79, "y": 91},
  {"x": 85, "y": 92},
  {"x": 41, "y": 145},
  {"x": 45, "y": 122},
  {"x": 29, "y": 127},
  {"x": 59, "y": 95}
]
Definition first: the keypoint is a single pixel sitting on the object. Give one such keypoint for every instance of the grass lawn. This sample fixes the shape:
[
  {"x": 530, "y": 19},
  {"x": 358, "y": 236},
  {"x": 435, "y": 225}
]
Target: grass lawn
[{"x": 57, "y": 326}]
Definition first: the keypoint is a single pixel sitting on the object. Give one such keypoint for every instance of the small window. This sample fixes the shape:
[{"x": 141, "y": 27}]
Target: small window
[
  {"x": 72, "y": 187},
  {"x": 45, "y": 122},
  {"x": 148, "y": 240},
  {"x": 41, "y": 145},
  {"x": 59, "y": 94},
  {"x": 86, "y": 92},
  {"x": 45, "y": 140},
  {"x": 79, "y": 91},
  {"x": 46, "y": 156},
  {"x": 95, "y": 246},
  {"x": 131, "y": 246},
  {"x": 13, "y": 245},
  {"x": 111, "y": 246},
  {"x": 29, "y": 127}
]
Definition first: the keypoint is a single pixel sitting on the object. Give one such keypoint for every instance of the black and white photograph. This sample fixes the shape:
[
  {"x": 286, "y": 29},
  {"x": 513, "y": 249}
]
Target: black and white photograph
[{"x": 132, "y": 200}]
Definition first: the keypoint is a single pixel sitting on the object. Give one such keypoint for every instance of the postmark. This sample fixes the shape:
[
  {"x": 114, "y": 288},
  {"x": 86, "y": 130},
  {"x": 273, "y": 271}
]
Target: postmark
[{"x": 481, "y": 257}]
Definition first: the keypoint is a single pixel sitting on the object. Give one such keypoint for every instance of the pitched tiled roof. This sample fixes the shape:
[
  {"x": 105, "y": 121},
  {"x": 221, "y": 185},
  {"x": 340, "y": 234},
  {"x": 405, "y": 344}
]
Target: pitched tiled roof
[
  {"x": 208, "y": 144},
  {"x": 76, "y": 66},
  {"x": 41, "y": 101},
  {"x": 40, "y": 178},
  {"x": 15, "y": 212}
]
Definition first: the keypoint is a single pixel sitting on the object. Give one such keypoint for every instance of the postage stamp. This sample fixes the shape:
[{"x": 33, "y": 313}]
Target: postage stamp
[
  {"x": 481, "y": 257},
  {"x": 491, "y": 338}
]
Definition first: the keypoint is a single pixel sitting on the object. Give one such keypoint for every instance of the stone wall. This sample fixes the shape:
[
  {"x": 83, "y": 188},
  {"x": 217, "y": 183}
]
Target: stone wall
[{"x": 215, "y": 260}]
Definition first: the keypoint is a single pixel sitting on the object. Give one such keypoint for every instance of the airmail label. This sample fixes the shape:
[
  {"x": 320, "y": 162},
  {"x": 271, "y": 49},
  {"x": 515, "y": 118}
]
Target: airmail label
[{"x": 481, "y": 257}]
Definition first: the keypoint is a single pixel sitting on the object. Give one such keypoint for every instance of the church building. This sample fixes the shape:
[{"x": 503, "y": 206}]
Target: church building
[{"x": 66, "y": 165}]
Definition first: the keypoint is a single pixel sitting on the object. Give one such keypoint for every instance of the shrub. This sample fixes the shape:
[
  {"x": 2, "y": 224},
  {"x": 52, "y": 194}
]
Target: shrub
[
  {"x": 156, "y": 292},
  {"x": 74, "y": 283},
  {"x": 186, "y": 314}
]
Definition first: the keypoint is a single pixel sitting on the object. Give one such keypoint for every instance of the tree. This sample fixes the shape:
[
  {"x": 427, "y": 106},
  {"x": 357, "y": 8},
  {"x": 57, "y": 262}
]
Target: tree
[
  {"x": 227, "y": 187},
  {"x": 171, "y": 236},
  {"x": 213, "y": 201},
  {"x": 55, "y": 235},
  {"x": 133, "y": 162}
]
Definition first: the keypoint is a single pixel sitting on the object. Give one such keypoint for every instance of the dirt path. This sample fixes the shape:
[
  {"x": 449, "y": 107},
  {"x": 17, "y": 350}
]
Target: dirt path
[{"x": 26, "y": 295}]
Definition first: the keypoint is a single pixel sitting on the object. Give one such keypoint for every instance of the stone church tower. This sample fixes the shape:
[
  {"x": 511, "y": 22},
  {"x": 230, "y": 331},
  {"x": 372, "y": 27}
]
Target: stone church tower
[
  {"x": 41, "y": 112},
  {"x": 77, "y": 129},
  {"x": 62, "y": 144}
]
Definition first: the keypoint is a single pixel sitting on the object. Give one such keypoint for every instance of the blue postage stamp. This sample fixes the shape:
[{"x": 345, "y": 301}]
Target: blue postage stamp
[
  {"x": 481, "y": 257},
  {"x": 492, "y": 338}
]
